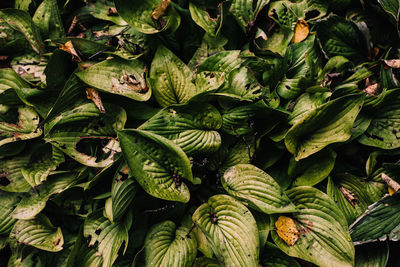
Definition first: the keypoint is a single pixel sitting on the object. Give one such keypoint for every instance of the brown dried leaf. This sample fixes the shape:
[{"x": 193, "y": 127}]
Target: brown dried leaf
[
  {"x": 160, "y": 9},
  {"x": 301, "y": 31},
  {"x": 371, "y": 88},
  {"x": 93, "y": 95},
  {"x": 393, "y": 185},
  {"x": 351, "y": 198},
  {"x": 287, "y": 230},
  {"x": 69, "y": 48},
  {"x": 112, "y": 11}
]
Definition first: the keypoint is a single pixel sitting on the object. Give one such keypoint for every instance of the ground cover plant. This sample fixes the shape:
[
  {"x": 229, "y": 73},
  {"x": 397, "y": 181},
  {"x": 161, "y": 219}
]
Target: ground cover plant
[{"x": 199, "y": 133}]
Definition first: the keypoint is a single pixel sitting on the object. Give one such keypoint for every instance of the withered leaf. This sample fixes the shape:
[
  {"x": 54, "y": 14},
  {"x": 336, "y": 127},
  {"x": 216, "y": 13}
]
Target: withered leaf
[
  {"x": 160, "y": 9},
  {"x": 287, "y": 230},
  {"x": 69, "y": 48},
  {"x": 93, "y": 95},
  {"x": 301, "y": 31}
]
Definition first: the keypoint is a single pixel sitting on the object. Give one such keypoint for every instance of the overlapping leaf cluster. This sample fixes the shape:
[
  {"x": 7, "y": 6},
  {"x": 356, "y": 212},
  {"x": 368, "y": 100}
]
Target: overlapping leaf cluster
[{"x": 199, "y": 132}]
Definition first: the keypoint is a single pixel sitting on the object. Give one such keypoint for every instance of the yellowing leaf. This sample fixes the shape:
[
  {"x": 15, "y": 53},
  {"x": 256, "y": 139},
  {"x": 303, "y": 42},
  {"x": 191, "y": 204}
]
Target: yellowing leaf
[
  {"x": 287, "y": 230},
  {"x": 160, "y": 9},
  {"x": 301, "y": 31},
  {"x": 69, "y": 48}
]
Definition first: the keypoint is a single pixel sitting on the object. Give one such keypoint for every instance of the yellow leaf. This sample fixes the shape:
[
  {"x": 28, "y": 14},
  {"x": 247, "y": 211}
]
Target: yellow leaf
[
  {"x": 69, "y": 48},
  {"x": 391, "y": 191},
  {"x": 301, "y": 31},
  {"x": 287, "y": 230}
]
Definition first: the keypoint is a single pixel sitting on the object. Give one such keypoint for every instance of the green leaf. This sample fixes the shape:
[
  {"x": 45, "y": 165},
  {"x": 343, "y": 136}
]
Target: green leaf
[
  {"x": 372, "y": 254},
  {"x": 305, "y": 103},
  {"x": 340, "y": 37},
  {"x": 157, "y": 164},
  {"x": 231, "y": 230},
  {"x": 10, "y": 83},
  {"x": 26, "y": 128},
  {"x": 32, "y": 204},
  {"x": 8, "y": 201},
  {"x": 110, "y": 237},
  {"x": 350, "y": 195},
  {"x": 67, "y": 130},
  {"x": 48, "y": 19},
  {"x": 202, "y": 243},
  {"x": 168, "y": 245},
  {"x": 324, "y": 237},
  {"x": 118, "y": 76},
  {"x": 101, "y": 10},
  {"x": 202, "y": 17},
  {"x": 327, "y": 124},
  {"x": 122, "y": 194},
  {"x": 139, "y": 15},
  {"x": 379, "y": 221},
  {"x": 192, "y": 127},
  {"x": 11, "y": 178},
  {"x": 171, "y": 83},
  {"x": 206, "y": 262},
  {"x": 246, "y": 11},
  {"x": 312, "y": 170},
  {"x": 256, "y": 189},
  {"x": 42, "y": 164},
  {"x": 383, "y": 131},
  {"x": 39, "y": 233},
  {"x": 274, "y": 257},
  {"x": 21, "y": 21}
]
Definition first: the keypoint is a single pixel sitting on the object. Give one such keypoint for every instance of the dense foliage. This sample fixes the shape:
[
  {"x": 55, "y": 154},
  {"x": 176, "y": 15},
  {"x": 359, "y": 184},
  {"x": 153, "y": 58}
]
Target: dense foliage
[{"x": 199, "y": 132}]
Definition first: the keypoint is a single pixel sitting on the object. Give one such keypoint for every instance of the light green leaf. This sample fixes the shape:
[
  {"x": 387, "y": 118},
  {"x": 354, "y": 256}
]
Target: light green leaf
[
  {"x": 246, "y": 11},
  {"x": 372, "y": 254},
  {"x": 231, "y": 230},
  {"x": 312, "y": 170},
  {"x": 171, "y": 83},
  {"x": 167, "y": 245},
  {"x": 110, "y": 237},
  {"x": 101, "y": 9},
  {"x": 8, "y": 201},
  {"x": 305, "y": 103},
  {"x": 139, "y": 15},
  {"x": 324, "y": 237},
  {"x": 327, "y": 124},
  {"x": 380, "y": 221},
  {"x": 202, "y": 243},
  {"x": 157, "y": 164},
  {"x": 118, "y": 76},
  {"x": 192, "y": 126},
  {"x": 11, "y": 178},
  {"x": 202, "y": 17},
  {"x": 39, "y": 233},
  {"x": 383, "y": 132},
  {"x": 48, "y": 19},
  {"x": 32, "y": 204},
  {"x": 21, "y": 21},
  {"x": 25, "y": 128},
  {"x": 91, "y": 124},
  {"x": 256, "y": 189}
]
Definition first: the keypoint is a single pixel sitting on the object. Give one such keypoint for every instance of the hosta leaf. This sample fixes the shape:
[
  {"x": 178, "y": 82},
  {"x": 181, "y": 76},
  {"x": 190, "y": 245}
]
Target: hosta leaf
[
  {"x": 122, "y": 193},
  {"x": 67, "y": 130},
  {"x": 118, "y": 76},
  {"x": 274, "y": 257},
  {"x": 327, "y": 124},
  {"x": 101, "y": 10},
  {"x": 11, "y": 178},
  {"x": 212, "y": 71},
  {"x": 383, "y": 132},
  {"x": 231, "y": 230},
  {"x": 312, "y": 170},
  {"x": 48, "y": 19},
  {"x": 306, "y": 103},
  {"x": 246, "y": 11},
  {"x": 10, "y": 82},
  {"x": 372, "y": 254},
  {"x": 192, "y": 126},
  {"x": 256, "y": 189},
  {"x": 157, "y": 164},
  {"x": 202, "y": 243},
  {"x": 378, "y": 222},
  {"x": 140, "y": 15},
  {"x": 21, "y": 21},
  {"x": 340, "y": 37},
  {"x": 39, "y": 233},
  {"x": 349, "y": 194},
  {"x": 168, "y": 245},
  {"x": 41, "y": 164},
  {"x": 32, "y": 204},
  {"x": 25, "y": 128},
  {"x": 171, "y": 83},
  {"x": 8, "y": 201},
  {"x": 110, "y": 237},
  {"x": 206, "y": 262},
  {"x": 324, "y": 237},
  {"x": 203, "y": 18}
]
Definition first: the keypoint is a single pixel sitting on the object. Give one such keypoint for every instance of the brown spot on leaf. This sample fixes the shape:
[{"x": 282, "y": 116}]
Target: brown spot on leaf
[
  {"x": 351, "y": 198},
  {"x": 4, "y": 181},
  {"x": 160, "y": 9}
]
